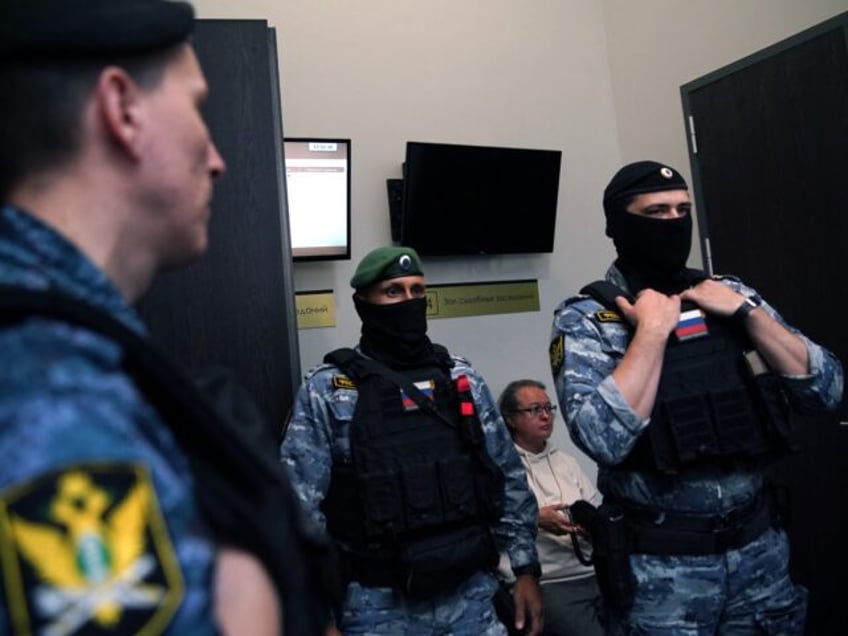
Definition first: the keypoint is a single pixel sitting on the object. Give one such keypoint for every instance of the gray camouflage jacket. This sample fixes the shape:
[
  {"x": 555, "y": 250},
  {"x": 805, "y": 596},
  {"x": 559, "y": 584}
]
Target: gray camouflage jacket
[
  {"x": 587, "y": 343},
  {"x": 72, "y": 423}
]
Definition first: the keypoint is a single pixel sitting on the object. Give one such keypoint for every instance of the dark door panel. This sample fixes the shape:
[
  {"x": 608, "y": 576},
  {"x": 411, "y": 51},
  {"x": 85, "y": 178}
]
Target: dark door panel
[
  {"x": 234, "y": 308},
  {"x": 769, "y": 155}
]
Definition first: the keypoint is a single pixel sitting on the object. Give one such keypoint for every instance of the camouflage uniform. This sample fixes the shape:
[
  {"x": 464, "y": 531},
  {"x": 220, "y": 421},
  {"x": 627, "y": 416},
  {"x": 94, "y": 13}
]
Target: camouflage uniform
[
  {"x": 679, "y": 594},
  {"x": 74, "y": 428},
  {"x": 319, "y": 434}
]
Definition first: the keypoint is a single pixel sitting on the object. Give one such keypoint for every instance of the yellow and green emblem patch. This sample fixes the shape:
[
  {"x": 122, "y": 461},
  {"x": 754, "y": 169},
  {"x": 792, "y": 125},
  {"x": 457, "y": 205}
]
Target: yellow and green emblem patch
[
  {"x": 85, "y": 551},
  {"x": 343, "y": 382},
  {"x": 556, "y": 351},
  {"x": 606, "y": 315}
]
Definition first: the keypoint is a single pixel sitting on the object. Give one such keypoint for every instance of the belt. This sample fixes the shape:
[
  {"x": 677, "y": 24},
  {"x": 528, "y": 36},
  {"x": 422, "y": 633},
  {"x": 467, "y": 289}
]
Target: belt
[
  {"x": 658, "y": 532},
  {"x": 373, "y": 573}
]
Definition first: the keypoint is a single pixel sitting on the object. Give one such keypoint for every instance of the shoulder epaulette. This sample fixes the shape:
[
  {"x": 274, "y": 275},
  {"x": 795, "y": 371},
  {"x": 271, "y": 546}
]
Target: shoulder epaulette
[{"x": 605, "y": 293}]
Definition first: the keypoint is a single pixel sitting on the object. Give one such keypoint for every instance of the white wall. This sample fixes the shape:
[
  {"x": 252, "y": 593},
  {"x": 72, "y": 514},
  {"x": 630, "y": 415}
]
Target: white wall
[
  {"x": 655, "y": 46},
  {"x": 598, "y": 80}
]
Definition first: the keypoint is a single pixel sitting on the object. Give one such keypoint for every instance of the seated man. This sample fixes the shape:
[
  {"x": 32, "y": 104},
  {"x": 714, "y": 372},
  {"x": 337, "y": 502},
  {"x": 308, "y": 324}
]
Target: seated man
[{"x": 570, "y": 591}]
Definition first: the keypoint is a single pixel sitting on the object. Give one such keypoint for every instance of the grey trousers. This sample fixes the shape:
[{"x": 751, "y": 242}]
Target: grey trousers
[{"x": 573, "y": 608}]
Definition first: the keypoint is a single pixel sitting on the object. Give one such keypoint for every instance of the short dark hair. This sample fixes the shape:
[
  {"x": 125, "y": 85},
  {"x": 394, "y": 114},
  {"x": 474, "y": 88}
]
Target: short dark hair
[
  {"x": 508, "y": 401},
  {"x": 41, "y": 108}
]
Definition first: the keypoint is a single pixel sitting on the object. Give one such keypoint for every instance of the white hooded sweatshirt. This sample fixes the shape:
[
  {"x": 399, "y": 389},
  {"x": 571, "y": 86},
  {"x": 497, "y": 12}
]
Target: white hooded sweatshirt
[{"x": 555, "y": 477}]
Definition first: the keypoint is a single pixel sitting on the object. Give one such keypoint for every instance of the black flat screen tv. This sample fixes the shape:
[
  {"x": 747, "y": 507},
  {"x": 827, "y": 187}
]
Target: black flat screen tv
[
  {"x": 318, "y": 195},
  {"x": 463, "y": 200}
]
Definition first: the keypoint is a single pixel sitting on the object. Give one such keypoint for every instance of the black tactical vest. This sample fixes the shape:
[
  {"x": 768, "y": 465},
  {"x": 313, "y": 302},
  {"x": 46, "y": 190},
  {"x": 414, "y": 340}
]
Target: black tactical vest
[
  {"x": 716, "y": 401},
  {"x": 413, "y": 509}
]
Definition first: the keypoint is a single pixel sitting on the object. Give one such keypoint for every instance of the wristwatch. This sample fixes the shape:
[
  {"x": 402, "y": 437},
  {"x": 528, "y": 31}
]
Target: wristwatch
[
  {"x": 741, "y": 314},
  {"x": 531, "y": 568}
]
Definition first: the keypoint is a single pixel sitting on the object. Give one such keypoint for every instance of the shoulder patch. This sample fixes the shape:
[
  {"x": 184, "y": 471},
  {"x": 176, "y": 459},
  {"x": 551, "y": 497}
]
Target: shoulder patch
[
  {"x": 556, "y": 351},
  {"x": 607, "y": 315},
  {"x": 343, "y": 382},
  {"x": 86, "y": 550}
]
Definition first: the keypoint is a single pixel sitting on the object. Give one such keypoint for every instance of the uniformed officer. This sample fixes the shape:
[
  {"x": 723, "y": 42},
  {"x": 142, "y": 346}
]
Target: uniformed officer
[
  {"x": 676, "y": 383},
  {"x": 398, "y": 448},
  {"x": 110, "y": 520}
]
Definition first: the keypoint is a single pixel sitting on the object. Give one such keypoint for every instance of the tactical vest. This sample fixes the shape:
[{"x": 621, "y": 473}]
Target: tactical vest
[
  {"x": 716, "y": 400},
  {"x": 414, "y": 507}
]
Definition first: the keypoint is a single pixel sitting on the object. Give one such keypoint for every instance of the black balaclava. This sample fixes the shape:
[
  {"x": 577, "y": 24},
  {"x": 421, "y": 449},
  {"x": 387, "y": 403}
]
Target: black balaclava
[
  {"x": 396, "y": 334},
  {"x": 651, "y": 252}
]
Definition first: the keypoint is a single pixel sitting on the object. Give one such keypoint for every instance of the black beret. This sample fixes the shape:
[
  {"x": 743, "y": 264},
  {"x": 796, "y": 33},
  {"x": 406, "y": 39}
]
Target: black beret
[
  {"x": 641, "y": 177},
  {"x": 385, "y": 263},
  {"x": 62, "y": 29}
]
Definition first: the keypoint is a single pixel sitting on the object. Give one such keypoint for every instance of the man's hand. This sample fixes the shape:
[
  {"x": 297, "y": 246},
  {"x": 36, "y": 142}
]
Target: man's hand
[
  {"x": 554, "y": 520},
  {"x": 653, "y": 312},
  {"x": 528, "y": 605},
  {"x": 244, "y": 596},
  {"x": 784, "y": 351},
  {"x": 714, "y": 298}
]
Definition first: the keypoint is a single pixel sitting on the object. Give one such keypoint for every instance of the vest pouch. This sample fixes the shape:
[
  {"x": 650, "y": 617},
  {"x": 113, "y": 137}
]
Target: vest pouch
[
  {"x": 456, "y": 478},
  {"x": 438, "y": 564},
  {"x": 738, "y": 429},
  {"x": 689, "y": 428},
  {"x": 611, "y": 548},
  {"x": 490, "y": 495},
  {"x": 773, "y": 407},
  {"x": 421, "y": 492},
  {"x": 612, "y": 567},
  {"x": 383, "y": 514}
]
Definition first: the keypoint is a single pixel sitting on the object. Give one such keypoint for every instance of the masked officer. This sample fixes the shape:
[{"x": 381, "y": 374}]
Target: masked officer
[
  {"x": 398, "y": 448},
  {"x": 128, "y": 504},
  {"x": 677, "y": 384}
]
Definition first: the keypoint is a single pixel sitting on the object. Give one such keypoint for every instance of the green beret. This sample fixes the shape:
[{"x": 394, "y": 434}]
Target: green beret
[
  {"x": 62, "y": 29},
  {"x": 384, "y": 263}
]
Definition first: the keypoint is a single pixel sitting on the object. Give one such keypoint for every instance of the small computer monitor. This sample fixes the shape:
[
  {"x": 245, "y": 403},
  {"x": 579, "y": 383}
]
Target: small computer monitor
[{"x": 318, "y": 195}]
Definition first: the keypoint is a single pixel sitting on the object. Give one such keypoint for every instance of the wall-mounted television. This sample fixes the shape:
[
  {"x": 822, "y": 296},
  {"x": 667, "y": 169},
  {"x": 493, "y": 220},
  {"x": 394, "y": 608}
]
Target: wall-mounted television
[
  {"x": 462, "y": 200},
  {"x": 318, "y": 194}
]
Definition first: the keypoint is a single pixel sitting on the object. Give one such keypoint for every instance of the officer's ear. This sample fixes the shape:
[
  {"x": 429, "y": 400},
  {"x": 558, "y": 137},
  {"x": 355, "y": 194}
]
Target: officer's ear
[{"x": 119, "y": 102}]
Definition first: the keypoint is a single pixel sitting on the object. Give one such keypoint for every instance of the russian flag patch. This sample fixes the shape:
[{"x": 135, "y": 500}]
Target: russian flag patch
[
  {"x": 425, "y": 386},
  {"x": 691, "y": 325}
]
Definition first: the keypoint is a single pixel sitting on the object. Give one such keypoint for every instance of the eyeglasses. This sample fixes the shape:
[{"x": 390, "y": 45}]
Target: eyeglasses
[{"x": 537, "y": 409}]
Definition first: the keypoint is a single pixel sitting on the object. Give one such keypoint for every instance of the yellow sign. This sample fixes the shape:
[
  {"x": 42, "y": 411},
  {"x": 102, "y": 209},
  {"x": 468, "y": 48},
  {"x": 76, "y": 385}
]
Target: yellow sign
[
  {"x": 454, "y": 301},
  {"x": 315, "y": 309}
]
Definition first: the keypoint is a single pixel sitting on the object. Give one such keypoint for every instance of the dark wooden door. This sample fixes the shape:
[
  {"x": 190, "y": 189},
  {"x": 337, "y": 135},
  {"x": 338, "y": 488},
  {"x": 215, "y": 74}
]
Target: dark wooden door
[
  {"x": 235, "y": 307},
  {"x": 769, "y": 156}
]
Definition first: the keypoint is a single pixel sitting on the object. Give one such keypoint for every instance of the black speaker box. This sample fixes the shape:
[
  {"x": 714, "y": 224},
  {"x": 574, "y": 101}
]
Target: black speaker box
[{"x": 394, "y": 188}]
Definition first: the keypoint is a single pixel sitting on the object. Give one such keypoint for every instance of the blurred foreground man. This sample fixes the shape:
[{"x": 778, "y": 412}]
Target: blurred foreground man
[
  {"x": 127, "y": 503},
  {"x": 679, "y": 384},
  {"x": 398, "y": 449}
]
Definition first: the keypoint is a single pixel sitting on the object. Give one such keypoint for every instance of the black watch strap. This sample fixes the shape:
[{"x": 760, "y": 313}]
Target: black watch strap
[{"x": 741, "y": 314}]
